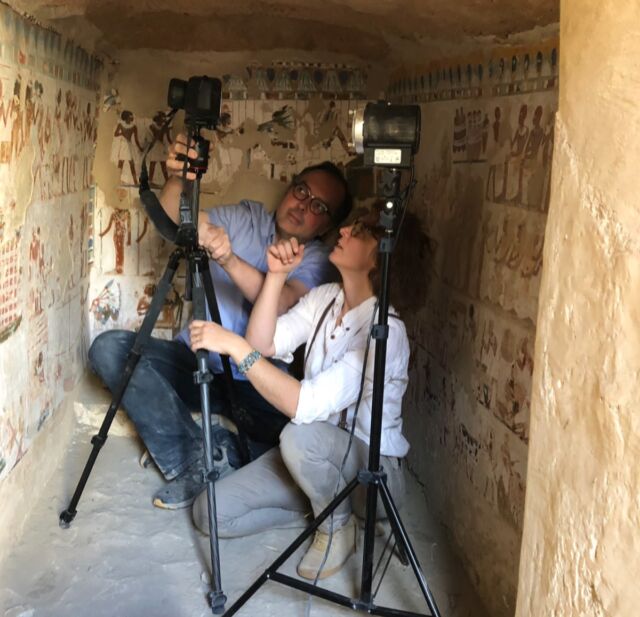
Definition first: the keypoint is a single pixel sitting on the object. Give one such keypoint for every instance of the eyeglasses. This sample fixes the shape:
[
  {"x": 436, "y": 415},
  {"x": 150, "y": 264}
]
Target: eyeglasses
[{"x": 301, "y": 192}]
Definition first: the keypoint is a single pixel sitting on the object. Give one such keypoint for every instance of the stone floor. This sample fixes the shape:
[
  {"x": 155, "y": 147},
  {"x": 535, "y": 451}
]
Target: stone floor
[{"x": 123, "y": 557}]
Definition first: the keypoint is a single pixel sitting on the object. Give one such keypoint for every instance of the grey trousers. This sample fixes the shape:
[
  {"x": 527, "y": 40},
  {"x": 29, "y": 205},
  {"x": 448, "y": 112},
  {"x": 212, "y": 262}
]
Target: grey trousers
[{"x": 282, "y": 487}]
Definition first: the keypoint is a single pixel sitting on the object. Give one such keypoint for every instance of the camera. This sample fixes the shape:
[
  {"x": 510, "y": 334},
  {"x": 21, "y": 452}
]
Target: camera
[{"x": 199, "y": 97}]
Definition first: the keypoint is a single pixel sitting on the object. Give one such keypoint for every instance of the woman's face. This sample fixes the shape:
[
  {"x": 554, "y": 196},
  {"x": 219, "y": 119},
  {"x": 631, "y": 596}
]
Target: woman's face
[{"x": 356, "y": 249}]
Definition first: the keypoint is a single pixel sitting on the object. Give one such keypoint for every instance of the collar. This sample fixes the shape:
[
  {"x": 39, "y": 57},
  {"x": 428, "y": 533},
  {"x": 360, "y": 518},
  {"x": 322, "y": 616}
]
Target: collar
[{"x": 356, "y": 317}]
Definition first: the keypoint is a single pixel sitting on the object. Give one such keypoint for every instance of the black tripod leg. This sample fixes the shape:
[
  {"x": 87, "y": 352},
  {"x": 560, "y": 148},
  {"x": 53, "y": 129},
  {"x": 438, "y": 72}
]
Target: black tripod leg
[
  {"x": 369, "y": 543},
  {"x": 142, "y": 338},
  {"x": 270, "y": 572},
  {"x": 402, "y": 556},
  {"x": 203, "y": 378},
  {"x": 401, "y": 534},
  {"x": 212, "y": 303}
]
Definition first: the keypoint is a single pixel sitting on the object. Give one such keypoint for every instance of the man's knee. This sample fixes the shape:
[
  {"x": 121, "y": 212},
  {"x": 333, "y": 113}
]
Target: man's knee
[
  {"x": 109, "y": 351},
  {"x": 109, "y": 344}
]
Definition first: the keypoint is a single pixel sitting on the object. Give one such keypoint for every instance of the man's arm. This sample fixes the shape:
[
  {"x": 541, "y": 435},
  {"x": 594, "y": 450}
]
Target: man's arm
[
  {"x": 276, "y": 386},
  {"x": 215, "y": 240},
  {"x": 250, "y": 280}
]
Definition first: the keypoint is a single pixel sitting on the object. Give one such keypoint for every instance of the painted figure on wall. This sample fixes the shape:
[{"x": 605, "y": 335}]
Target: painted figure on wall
[
  {"x": 17, "y": 140},
  {"x": 162, "y": 140},
  {"x": 120, "y": 219},
  {"x": 69, "y": 150},
  {"x": 124, "y": 138},
  {"x": 522, "y": 176},
  {"x": 470, "y": 135},
  {"x": 89, "y": 137},
  {"x": 106, "y": 305},
  {"x": 36, "y": 271},
  {"x": 169, "y": 317},
  {"x": 6, "y": 108},
  {"x": 328, "y": 127},
  {"x": 514, "y": 166}
]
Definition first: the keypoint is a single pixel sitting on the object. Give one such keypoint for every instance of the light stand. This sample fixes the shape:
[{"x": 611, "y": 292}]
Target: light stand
[
  {"x": 200, "y": 285},
  {"x": 373, "y": 476}
]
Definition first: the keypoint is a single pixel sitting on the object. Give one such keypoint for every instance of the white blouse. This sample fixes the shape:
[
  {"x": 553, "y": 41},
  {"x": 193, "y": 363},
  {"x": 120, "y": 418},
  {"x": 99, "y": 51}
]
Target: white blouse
[{"x": 333, "y": 368}]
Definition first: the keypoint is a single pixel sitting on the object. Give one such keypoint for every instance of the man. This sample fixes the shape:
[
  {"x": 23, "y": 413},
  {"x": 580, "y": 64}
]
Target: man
[{"x": 161, "y": 394}]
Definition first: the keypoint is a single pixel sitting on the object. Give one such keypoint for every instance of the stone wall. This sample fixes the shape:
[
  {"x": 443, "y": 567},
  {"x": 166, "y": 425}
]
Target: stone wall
[
  {"x": 483, "y": 174},
  {"x": 581, "y": 546},
  {"x": 48, "y": 123}
]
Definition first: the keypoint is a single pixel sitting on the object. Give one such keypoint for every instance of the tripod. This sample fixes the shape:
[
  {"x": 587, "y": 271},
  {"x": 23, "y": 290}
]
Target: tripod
[
  {"x": 373, "y": 477},
  {"x": 200, "y": 284}
]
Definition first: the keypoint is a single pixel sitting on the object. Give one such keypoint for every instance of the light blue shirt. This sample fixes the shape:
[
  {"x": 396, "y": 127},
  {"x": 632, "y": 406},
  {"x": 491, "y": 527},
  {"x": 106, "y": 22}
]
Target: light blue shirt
[{"x": 251, "y": 229}]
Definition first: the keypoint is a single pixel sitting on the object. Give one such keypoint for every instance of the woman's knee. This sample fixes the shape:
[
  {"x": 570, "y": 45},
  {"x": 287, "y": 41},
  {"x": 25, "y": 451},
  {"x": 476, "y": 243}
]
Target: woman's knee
[
  {"x": 294, "y": 444},
  {"x": 200, "y": 513},
  {"x": 314, "y": 440}
]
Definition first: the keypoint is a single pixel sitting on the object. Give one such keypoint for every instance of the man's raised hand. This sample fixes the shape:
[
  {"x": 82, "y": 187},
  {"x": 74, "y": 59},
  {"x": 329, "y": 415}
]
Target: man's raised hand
[{"x": 179, "y": 147}]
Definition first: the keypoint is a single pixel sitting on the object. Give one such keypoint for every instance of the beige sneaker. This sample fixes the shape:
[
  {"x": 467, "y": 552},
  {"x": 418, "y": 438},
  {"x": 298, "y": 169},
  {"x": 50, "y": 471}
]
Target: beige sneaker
[{"x": 343, "y": 545}]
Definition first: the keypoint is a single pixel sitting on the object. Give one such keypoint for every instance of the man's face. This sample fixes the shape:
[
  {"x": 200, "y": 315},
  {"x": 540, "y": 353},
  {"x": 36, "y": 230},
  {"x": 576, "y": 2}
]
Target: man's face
[{"x": 296, "y": 218}]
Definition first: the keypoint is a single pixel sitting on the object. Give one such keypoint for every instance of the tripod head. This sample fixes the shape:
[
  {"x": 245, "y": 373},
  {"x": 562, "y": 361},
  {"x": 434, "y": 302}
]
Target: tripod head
[
  {"x": 200, "y": 98},
  {"x": 187, "y": 232}
]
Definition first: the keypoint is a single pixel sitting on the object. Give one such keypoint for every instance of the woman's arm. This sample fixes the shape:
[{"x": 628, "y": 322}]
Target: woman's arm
[
  {"x": 282, "y": 258},
  {"x": 276, "y": 386},
  {"x": 262, "y": 322}
]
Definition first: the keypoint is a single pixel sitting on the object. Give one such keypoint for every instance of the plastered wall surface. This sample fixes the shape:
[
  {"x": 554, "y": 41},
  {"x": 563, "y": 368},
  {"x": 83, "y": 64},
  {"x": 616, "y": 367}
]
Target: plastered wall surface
[
  {"x": 483, "y": 173},
  {"x": 279, "y": 114},
  {"x": 581, "y": 546},
  {"x": 48, "y": 122}
]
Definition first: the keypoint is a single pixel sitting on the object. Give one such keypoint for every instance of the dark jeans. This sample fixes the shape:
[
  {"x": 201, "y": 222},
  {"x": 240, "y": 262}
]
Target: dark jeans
[{"x": 161, "y": 395}]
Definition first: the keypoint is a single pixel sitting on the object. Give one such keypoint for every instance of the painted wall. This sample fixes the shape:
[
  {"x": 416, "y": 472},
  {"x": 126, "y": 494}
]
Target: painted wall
[
  {"x": 581, "y": 546},
  {"x": 482, "y": 196},
  {"x": 48, "y": 122},
  {"x": 278, "y": 116}
]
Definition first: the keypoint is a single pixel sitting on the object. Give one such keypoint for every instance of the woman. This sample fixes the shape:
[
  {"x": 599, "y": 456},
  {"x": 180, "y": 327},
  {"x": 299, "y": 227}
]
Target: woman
[{"x": 275, "y": 490}]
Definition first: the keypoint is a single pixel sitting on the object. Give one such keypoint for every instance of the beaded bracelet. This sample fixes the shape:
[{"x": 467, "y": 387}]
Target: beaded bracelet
[{"x": 250, "y": 359}]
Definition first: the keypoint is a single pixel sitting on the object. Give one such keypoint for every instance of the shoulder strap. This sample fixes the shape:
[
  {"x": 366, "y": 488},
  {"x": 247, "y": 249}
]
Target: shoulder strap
[{"x": 313, "y": 338}]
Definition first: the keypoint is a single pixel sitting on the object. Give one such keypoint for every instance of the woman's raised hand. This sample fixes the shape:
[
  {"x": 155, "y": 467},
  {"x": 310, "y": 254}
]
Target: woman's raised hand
[{"x": 285, "y": 256}]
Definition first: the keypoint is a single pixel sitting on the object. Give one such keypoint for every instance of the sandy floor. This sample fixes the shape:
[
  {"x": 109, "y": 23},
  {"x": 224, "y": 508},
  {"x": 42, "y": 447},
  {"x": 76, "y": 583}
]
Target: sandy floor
[{"x": 123, "y": 557}]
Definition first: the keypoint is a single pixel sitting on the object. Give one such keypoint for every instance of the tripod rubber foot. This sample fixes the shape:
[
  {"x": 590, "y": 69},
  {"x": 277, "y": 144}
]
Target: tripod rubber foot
[
  {"x": 217, "y": 600},
  {"x": 66, "y": 516}
]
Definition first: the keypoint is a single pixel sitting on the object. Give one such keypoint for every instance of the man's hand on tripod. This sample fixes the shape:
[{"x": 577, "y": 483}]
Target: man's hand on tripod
[
  {"x": 175, "y": 157},
  {"x": 215, "y": 241}
]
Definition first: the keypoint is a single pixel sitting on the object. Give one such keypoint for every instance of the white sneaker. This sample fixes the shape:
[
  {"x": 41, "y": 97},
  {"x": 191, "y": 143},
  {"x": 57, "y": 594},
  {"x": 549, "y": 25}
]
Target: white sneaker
[{"x": 343, "y": 545}]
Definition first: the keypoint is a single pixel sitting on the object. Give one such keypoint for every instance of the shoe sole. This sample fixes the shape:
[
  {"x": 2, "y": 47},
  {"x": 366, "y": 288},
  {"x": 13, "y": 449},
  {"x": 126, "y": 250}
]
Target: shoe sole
[
  {"x": 311, "y": 576},
  {"x": 158, "y": 503},
  {"x": 145, "y": 460}
]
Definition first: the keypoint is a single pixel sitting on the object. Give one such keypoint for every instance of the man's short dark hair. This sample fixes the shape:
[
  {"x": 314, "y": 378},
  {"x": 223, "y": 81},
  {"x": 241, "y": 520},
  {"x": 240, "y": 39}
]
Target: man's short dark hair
[{"x": 343, "y": 210}]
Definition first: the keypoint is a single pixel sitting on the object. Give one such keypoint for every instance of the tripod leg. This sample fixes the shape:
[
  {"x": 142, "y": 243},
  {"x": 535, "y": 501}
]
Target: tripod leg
[
  {"x": 270, "y": 572},
  {"x": 212, "y": 303},
  {"x": 369, "y": 542},
  {"x": 203, "y": 378},
  {"x": 143, "y": 336},
  {"x": 401, "y": 534}
]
